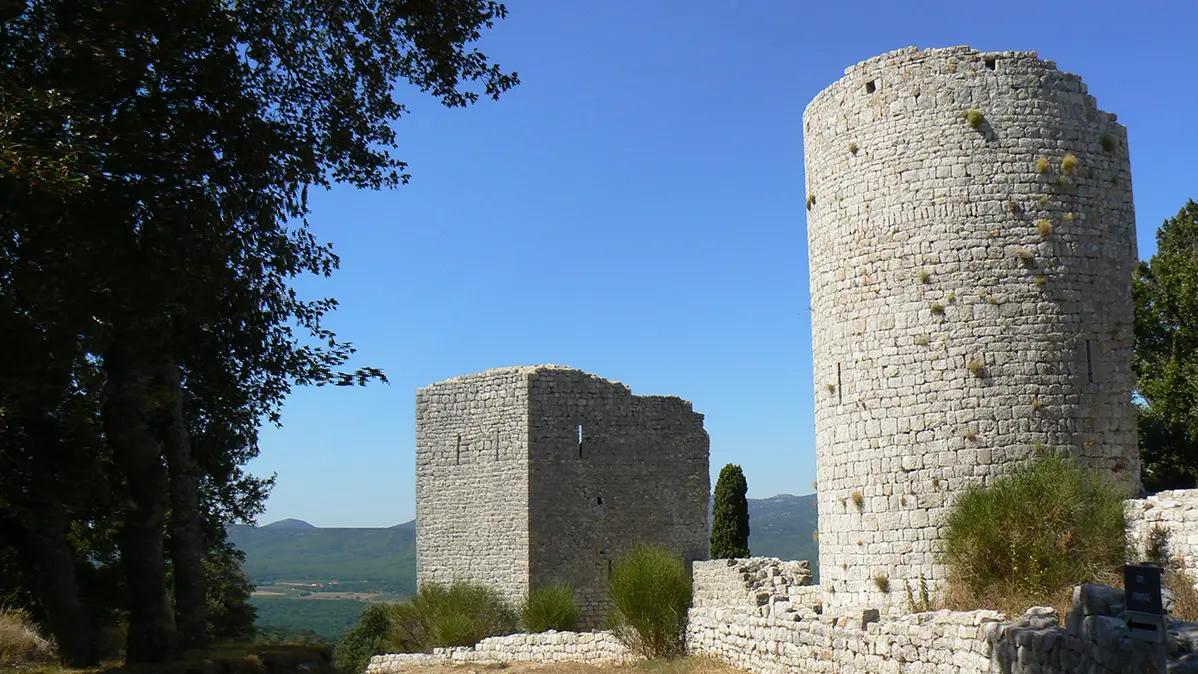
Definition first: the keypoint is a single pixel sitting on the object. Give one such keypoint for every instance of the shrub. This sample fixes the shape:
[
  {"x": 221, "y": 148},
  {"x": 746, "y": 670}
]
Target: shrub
[
  {"x": 853, "y": 148},
  {"x": 730, "y": 512},
  {"x": 937, "y": 309},
  {"x": 924, "y": 276},
  {"x": 883, "y": 582},
  {"x": 1042, "y": 165},
  {"x": 810, "y": 201},
  {"x": 977, "y": 368},
  {"x": 20, "y": 641},
  {"x": 363, "y": 640},
  {"x": 975, "y": 118},
  {"x": 858, "y": 499},
  {"x": 551, "y": 607},
  {"x": 1108, "y": 142},
  {"x": 650, "y": 590},
  {"x": 1044, "y": 227},
  {"x": 1068, "y": 163},
  {"x": 439, "y": 616},
  {"x": 1035, "y": 533}
]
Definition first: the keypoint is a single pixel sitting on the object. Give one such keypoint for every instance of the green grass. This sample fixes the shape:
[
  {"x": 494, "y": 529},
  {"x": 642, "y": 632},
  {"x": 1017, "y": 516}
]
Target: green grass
[
  {"x": 1049, "y": 526},
  {"x": 650, "y": 591}
]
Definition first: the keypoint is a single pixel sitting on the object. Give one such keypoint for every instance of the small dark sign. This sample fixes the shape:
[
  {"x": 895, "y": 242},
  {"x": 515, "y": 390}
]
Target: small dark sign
[{"x": 1143, "y": 588}]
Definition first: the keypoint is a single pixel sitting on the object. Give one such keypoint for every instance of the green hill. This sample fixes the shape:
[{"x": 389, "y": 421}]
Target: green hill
[{"x": 383, "y": 559}]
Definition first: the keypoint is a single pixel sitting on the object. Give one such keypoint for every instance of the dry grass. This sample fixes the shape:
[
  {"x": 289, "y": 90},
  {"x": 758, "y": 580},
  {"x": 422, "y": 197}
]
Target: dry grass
[
  {"x": 687, "y": 665},
  {"x": 1185, "y": 597},
  {"x": 958, "y": 597},
  {"x": 20, "y": 640}
]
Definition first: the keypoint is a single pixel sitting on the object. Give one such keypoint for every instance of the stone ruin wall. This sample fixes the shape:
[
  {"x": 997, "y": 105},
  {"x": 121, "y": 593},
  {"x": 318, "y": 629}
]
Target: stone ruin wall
[
  {"x": 1174, "y": 511},
  {"x": 608, "y": 470},
  {"x": 532, "y": 475},
  {"x": 925, "y": 256},
  {"x": 472, "y": 481}
]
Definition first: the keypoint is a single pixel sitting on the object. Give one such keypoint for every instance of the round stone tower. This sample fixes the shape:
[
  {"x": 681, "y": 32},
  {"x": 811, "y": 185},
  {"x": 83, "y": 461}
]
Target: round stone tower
[{"x": 971, "y": 240}]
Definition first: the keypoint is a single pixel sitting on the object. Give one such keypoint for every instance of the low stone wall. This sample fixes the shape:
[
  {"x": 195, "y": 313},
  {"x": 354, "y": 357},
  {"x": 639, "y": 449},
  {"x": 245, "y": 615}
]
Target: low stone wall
[
  {"x": 777, "y": 628},
  {"x": 1177, "y": 512},
  {"x": 585, "y": 647}
]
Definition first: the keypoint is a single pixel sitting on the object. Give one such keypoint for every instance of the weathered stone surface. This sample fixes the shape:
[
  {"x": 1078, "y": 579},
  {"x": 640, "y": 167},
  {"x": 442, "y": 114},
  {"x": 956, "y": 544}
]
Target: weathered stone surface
[
  {"x": 951, "y": 335},
  {"x": 530, "y": 475},
  {"x": 585, "y": 647},
  {"x": 1176, "y": 512}
]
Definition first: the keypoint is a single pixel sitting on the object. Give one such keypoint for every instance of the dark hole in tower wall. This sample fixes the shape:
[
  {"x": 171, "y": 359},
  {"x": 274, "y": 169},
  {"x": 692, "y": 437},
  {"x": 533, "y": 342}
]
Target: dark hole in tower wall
[
  {"x": 991, "y": 63},
  {"x": 580, "y": 454},
  {"x": 870, "y": 87}
]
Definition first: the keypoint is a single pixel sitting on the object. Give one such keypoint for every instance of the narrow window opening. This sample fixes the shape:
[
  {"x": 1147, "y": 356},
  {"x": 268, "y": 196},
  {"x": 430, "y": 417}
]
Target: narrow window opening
[
  {"x": 1089, "y": 362},
  {"x": 609, "y": 568},
  {"x": 580, "y": 441},
  {"x": 599, "y": 500},
  {"x": 870, "y": 87},
  {"x": 497, "y": 445},
  {"x": 458, "y": 457},
  {"x": 839, "y": 386},
  {"x": 991, "y": 63}
]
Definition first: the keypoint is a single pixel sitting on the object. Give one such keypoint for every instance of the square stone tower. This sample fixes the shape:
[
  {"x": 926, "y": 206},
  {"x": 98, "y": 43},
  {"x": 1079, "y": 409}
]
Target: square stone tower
[{"x": 530, "y": 475}]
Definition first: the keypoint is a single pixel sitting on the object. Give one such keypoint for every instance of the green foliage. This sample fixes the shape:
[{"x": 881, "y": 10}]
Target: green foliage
[
  {"x": 1108, "y": 142},
  {"x": 650, "y": 591},
  {"x": 139, "y": 254},
  {"x": 328, "y": 618},
  {"x": 1165, "y": 290},
  {"x": 975, "y": 118},
  {"x": 882, "y": 582},
  {"x": 730, "y": 515},
  {"x": 810, "y": 201},
  {"x": 230, "y": 613},
  {"x": 460, "y": 614},
  {"x": 364, "y": 640},
  {"x": 551, "y": 607},
  {"x": 1042, "y": 166},
  {"x": 1050, "y": 525},
  {"x": 1044, "y": 228}
]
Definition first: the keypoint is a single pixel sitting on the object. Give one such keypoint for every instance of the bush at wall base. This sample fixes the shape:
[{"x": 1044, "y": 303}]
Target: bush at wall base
[
  {"x": 650, "y": 591},
  {"x": 551, "y": 607},
  {"x": 439, "y": 616},
  {"x": 1036, "y": 532}
]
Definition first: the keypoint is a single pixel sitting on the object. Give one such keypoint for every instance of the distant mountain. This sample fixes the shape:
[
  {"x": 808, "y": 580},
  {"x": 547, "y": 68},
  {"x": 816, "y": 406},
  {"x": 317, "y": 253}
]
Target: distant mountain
[
  {"x": 289, "y": 524},
  {"x": 293, "y": 550}
]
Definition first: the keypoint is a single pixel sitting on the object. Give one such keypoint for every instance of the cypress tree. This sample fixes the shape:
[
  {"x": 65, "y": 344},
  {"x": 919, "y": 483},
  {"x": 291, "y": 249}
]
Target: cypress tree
[{"x": 730, "y": 515}]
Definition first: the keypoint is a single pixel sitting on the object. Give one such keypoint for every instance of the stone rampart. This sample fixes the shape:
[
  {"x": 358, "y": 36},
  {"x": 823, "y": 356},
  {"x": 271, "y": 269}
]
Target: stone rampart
[
  {"x": 1174, "y": 511},
  {"x": 584, "y": 647}
]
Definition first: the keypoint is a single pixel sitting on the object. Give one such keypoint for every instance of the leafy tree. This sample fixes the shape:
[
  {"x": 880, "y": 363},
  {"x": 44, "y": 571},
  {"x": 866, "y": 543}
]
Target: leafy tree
[
  {"x": 730, "y": 515},
  {"x": 1165, "y": 290},
  {"x": 153, "y": 158}
]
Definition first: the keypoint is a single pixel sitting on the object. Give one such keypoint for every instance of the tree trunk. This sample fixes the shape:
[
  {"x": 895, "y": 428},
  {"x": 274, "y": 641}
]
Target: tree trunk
[
  {"x": 187, "y": 536},
  {"x": 45, "y": 550},
  {"x": 137, "y": 455}
]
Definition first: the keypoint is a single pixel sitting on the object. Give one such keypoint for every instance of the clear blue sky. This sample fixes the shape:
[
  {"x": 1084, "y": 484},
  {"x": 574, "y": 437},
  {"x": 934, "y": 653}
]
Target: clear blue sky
[{"x": 635, "y": 209}]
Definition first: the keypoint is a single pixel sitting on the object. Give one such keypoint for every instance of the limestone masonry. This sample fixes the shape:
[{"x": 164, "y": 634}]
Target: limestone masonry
[
  {"x": 531, "y": 475},
  {"x": 970, "y": 295}
]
